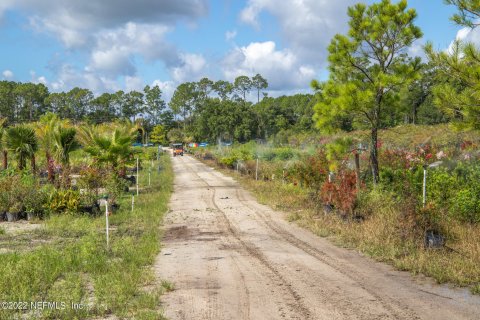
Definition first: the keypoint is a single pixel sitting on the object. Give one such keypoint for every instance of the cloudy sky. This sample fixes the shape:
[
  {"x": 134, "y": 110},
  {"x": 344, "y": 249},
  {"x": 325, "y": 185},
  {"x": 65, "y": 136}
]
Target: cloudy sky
[{"x": 107, "y": 45}]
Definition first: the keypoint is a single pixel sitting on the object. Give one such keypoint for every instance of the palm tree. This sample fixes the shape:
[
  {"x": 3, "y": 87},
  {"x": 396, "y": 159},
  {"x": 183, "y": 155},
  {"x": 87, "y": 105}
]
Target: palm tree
[
  {"x": 44, "y": 130},
  {"x": 22, "y": 141},
  {"x": 112, "y": 148},
  {"x": 63, "y": 143}
]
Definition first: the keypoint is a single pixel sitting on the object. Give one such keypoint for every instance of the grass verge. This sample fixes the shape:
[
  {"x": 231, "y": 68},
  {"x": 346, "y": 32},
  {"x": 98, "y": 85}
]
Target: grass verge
[{"x": 75, "y": 273}]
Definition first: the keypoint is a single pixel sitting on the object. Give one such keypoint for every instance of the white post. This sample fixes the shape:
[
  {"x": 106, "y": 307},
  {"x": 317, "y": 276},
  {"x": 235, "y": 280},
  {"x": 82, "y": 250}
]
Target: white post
[
  {"x": 149, "y": 174},
  {"x": 133, "y": 202},
  {"x": 256, "y": 170},
  {"x": 106, "y": 223},
  {"x": 137, "y": 176},
  {"x": 424, "y": 186}
]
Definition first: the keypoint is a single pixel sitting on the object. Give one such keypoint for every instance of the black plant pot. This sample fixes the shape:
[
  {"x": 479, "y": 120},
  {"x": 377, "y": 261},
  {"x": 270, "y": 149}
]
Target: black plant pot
[
  {"x": 93, "y": 209},
  {"x": 12, "y": 217},
  {"x": 434, "y": 239},
  {"x": 3, "y": 216},
  {"x": 115, "y": 207},
  {"x": 328, "y": 209}
]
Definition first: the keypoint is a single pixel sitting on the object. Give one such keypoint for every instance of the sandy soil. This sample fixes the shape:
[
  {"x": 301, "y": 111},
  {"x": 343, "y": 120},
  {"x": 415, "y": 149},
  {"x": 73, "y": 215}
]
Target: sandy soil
[{"x": 232, "y": 258}]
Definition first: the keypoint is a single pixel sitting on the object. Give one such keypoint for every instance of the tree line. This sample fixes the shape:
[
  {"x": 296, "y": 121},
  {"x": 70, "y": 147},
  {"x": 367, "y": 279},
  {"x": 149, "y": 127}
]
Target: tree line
[{"x": 26, "y": 102}]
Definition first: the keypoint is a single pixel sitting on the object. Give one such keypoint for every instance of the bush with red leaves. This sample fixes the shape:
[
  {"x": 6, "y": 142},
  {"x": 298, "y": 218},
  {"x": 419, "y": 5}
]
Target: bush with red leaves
[{"x": 341, "y": 192}]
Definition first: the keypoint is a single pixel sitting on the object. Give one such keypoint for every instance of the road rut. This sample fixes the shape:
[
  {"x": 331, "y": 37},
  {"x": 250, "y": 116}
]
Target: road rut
[{"x": 231, "y": 258}]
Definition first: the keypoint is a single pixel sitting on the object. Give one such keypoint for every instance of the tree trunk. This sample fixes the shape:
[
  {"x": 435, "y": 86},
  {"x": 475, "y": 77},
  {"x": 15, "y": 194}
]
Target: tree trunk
[
  {"x": 33, "y": 164},
  {"x": 50, "y": 167},
  {"x": 5, "y": 159},
  {"x": 21, "y": 162},
  {"x": 374, "y": 156}
]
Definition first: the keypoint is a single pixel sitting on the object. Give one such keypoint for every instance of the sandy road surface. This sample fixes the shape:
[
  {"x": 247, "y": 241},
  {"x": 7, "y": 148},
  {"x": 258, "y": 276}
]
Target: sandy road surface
[{"x": 232, "y": 258}]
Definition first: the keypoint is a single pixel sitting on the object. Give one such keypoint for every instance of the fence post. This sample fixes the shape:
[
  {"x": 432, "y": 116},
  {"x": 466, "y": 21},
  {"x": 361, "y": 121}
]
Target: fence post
[
  {"x": 256, "y": 170},
  {"x": 106, "y": 224},
  {"x": 137, "y": 176},
  {"x": 424, "y": 186}
]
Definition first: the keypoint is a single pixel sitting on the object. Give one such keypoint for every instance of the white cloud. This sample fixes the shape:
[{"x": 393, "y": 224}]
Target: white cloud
[
  {"x": 167, "y": 87},
  {"x": 282, "y": 68},
  {"x": 192, "y": 67},
  {"x": 307, "y": 25},
  {"x": 134, "y": 83},
  {"x": 230, "y": 35},
  {"x": 417, "y": 50},
  {"x": 465, "y": 35},
  {"x": 7, "y": 74},
  {"x": 68, "y": 77},
  {"x": 73, "y": 21},
  {"x": 115, "y": 49}
]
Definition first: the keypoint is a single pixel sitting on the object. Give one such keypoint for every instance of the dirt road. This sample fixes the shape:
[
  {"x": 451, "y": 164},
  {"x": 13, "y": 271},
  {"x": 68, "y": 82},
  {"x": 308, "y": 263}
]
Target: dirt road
[{"x": 232, "y": 258}]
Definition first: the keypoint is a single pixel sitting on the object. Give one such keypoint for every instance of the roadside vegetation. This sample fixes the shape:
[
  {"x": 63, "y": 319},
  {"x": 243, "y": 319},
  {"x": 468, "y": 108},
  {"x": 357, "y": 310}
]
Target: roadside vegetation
[
  {"x": 316, "y": 187},
  {"x": 60, "y": 255}
]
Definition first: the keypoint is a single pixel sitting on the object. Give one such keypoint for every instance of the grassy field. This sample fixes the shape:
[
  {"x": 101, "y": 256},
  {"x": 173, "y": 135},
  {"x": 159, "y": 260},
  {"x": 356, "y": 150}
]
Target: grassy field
[{"x": 66, "y": 261}]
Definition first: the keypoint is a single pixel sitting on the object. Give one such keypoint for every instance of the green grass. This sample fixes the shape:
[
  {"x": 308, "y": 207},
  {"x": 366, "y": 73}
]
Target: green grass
[
  {"x": 76, "y": 267},
  {"x": 2, "y": 231}
]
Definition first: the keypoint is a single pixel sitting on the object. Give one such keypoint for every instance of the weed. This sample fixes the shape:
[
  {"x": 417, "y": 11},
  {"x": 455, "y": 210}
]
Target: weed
[{"x": 168, "y": 286}]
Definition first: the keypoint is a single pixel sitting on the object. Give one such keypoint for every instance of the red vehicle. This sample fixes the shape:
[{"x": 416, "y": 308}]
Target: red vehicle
[{"x": 177, "y": 149}]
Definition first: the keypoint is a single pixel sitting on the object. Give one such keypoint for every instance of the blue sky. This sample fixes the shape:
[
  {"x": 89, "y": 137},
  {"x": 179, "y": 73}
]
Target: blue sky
[{"x": 109, "y": 45}]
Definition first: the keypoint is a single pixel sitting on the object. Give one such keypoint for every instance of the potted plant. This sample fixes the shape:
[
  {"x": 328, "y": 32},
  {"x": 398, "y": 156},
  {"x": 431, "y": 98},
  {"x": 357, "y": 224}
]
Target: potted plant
[
  {"x": 114, "y": 186},
  {"x": 14, "y": 210},
  {"x": 88, "y": 202},
  {"x": 34, "y": 202}
]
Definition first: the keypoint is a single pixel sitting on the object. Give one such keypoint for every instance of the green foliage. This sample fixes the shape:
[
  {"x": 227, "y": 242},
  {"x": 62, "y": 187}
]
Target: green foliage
[
  {"x": 338, "y": 150},
  {"x": 109, "y": 146},
  {"x": 456, "y": 191},
  {"x": 115, "y": 186},
  {"x": 457, "y": 91},
  {"x": 159, "y": 135},
  {"x": 63, "y": 201},
  {"x": 22, "y": 141},
  {"x": 175, "y": 135},
  {"x": 367, "y": 68},
  {"x": 468, "y": 12}
]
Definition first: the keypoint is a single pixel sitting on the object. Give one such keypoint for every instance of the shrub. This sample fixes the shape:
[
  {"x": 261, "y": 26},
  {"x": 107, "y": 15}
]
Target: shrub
[
  {"x": 63, "y": 201},
  {"x": 36, "y": 199},
  {"x": 341, "y": 192},
  {"x": 466, "y": 205},
  {"x": 115, "y": 186},
  {"x": 228, "y": 161}
]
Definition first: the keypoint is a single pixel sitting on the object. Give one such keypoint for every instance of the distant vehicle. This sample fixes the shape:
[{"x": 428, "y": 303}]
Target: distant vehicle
[
  {"x": 177, "y": 149},
  {"x": 203, "y": 144},
  {"x": 137, "y": 144}
]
